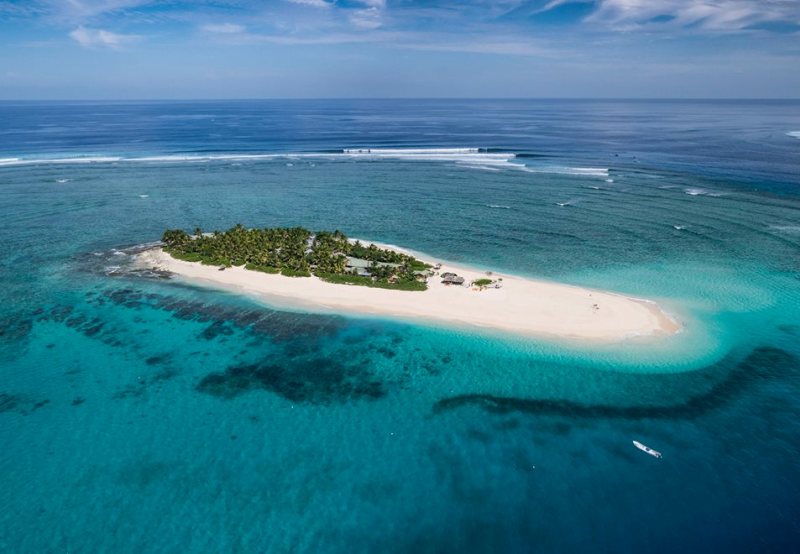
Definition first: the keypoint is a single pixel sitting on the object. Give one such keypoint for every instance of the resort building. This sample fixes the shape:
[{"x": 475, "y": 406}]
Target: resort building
[
  {"x": 359, "y": 266},
  {"x": 362, "y": 267},
  {"x": 452, "y": 279}
]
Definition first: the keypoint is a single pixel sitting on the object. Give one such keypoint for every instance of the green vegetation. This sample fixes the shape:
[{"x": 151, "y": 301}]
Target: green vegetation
[
  {"x": 370, "y": 282},
  {"x": 295, "y": 272},
  {"x": 297, "y": 252},
  {"x": 262, "y": 268},
  {"x": 482, "y": 282}
]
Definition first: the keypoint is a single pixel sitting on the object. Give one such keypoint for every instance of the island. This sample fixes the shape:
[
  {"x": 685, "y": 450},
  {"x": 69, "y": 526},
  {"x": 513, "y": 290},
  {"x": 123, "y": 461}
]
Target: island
[
  {"x": 329, "y": 272},
  {"x": 297, "y": 252}
]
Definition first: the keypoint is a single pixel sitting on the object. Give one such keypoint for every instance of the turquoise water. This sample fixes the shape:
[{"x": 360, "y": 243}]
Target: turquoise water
[{"x": 141, "y": 415}]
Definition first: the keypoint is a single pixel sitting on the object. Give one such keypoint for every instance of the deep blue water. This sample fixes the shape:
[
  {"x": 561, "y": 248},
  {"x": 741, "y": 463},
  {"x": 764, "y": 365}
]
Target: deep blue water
[{"x": 141, "y": 415}]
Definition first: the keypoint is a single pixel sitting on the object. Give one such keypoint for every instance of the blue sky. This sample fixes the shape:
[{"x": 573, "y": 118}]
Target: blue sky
[{"x": 121, "y": 49}]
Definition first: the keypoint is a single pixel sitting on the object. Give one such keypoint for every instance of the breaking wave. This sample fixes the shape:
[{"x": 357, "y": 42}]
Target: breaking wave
[
  {"x": 481, "y": 159},
  {"x": 579, "y": 171},
  {"x": 701, "y": 192},
  {"x": 473, "y": 158},
  {"x": 789, "y": 229},
  {"x": 120, "y": 262},
  {"x": 479, "y": 167}
]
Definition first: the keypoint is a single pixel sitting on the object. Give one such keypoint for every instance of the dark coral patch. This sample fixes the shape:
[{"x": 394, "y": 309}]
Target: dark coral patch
[
  {"x": 129, "y": 298},
  {"x": 40, "y": 404},
  {"x": 68, "y": 316},
  {"x": 224, "y": 320},
  {"x": 15, "y": 328},
  {"x": 75, "y": 321},
  {"x": 317, "y": 380},
  {"x": 164, "y": 375},
  {"x": 387, "y": 352},
  {"x": 8, "y": 402},
  {"x": 216, "y": 329},
  {"x": 20, "y": 404},
  {"x": 158, "y": 360},
  {"x": 94, "y": 327},
  {"x": 762, "y": 364}
]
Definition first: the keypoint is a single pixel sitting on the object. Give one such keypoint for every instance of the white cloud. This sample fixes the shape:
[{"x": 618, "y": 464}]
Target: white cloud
[
  {"x": 714, "y": 15},
  {"x": 312, "y": 3},
  {"x": 224, "y": 28},
  {"x": 90, "y": 38},
  {"x": 368, "y": 18},
  {"x": 80, "y": 11}
]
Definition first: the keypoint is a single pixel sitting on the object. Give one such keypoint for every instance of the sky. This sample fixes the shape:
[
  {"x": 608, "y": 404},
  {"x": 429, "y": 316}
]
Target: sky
[{"x": 174, "y": 49}]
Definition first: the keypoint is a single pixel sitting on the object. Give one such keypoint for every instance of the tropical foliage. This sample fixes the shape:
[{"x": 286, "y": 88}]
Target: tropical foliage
[{"x": 297, "y": 252}]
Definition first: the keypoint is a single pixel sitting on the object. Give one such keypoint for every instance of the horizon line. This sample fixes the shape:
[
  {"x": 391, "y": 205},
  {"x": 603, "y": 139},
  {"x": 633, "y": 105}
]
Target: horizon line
[{"x": 401, "y": 98}]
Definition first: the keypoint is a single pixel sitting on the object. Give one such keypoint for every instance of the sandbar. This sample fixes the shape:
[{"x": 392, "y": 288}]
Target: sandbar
[{"x": 522, "y": 306}]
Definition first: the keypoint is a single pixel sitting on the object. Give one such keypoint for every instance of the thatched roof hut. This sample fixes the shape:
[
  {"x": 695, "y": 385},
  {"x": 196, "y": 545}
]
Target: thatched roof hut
[{"x": 452, "y": 279}]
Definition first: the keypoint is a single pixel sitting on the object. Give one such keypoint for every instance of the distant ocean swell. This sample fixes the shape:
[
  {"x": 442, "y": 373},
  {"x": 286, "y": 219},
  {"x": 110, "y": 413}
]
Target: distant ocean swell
[{"x": 471, "y": 158}]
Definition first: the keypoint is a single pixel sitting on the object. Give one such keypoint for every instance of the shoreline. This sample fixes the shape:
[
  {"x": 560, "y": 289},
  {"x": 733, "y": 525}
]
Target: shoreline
[{"x": 522, "y": 307}]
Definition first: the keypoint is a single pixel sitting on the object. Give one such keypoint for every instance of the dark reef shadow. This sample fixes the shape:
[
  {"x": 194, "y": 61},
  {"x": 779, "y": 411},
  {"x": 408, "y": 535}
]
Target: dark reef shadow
[
  {"x": 316, "y": 380},
  {"x": 762, "y": 364}
]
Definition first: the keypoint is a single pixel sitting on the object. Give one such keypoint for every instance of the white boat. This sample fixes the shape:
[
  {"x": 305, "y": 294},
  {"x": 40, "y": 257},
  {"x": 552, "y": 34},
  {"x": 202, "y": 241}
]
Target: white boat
[{"x": 647, "y": 449}]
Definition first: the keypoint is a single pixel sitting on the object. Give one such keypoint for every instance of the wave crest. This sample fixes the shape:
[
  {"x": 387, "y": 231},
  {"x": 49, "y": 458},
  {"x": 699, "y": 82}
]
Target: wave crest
[{"x": 482, "y": 159}]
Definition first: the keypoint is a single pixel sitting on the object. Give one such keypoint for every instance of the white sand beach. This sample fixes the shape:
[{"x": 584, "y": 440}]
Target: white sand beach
[{"x": 521, "y": 306}]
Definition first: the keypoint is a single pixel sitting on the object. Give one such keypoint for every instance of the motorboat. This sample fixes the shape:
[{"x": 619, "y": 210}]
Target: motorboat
[{"x": 640, "y": 446}]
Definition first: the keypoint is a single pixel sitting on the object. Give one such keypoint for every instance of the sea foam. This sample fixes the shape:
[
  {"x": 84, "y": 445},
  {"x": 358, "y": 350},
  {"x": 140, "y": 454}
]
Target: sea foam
[
  {"x": 476, "y": 158},
  {"x": 563, "y": 170},
  {"x": 469, "y": 156},
  {"x": 789, "y": 229},
  {"x": 701, "y": 192}
]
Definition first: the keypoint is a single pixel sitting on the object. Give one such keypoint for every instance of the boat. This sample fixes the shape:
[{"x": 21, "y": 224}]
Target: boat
[{"x": 647, "y": 449}]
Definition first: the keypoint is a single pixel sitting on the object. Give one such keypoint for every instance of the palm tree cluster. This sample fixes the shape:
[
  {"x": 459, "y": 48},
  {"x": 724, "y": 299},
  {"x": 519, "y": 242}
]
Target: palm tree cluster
[{"x": 296, "y": 252}]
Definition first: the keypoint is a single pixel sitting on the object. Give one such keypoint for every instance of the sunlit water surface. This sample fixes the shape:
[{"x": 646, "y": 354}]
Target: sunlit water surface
[{"x": 138, "y": 414}]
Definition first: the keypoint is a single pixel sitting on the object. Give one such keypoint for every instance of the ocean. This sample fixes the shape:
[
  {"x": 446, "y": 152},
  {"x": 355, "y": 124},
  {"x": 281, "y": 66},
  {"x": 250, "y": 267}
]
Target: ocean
[{"x": 139, "y": 414}]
